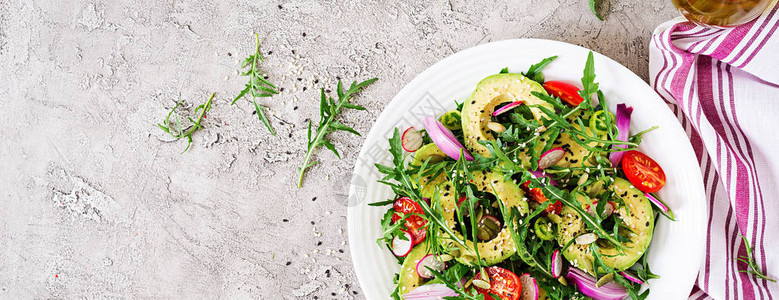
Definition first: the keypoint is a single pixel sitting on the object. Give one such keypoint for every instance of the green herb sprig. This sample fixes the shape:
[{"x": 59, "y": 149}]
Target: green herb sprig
[
  {"x": 328, "y": 110},
  {"x": 751, "y": 264},
  {"x": 258, "y": 86},
  {"x": 180, "y": 132}
]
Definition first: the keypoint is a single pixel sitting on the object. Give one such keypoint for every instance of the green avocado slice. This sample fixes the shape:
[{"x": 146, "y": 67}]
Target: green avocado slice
[
  {"x": 494, "y": 250},
  {"x": 491, "y": 92},
  {"x": 409, "y": 279},
  {"x": 636, "y": 215}
]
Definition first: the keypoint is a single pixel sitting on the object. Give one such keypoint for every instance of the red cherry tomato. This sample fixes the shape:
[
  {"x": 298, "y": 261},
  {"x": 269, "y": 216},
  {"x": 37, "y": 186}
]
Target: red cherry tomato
[
  {"x": 414, "y": 224},
  {"x": 537, "y": 195},
  {"x": 643, "y": 172},
  {"x": 503, "y": 283},
  {"x": 567, "y": 92}
]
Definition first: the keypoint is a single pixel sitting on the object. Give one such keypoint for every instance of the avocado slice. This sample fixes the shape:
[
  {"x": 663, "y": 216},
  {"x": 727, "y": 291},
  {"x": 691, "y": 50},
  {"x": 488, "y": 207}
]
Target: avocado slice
[
  {"x": 409, "y": 279},
  {"x": 636, "y": 215},
  {"x": 432, "y": 152},
  {"x": 502, "y": 246},
  {"x": 491, "y": 92}
]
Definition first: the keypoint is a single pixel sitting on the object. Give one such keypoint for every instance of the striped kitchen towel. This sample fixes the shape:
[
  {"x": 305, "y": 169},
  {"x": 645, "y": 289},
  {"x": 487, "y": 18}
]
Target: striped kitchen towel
[{"x": 723, "y": 85}]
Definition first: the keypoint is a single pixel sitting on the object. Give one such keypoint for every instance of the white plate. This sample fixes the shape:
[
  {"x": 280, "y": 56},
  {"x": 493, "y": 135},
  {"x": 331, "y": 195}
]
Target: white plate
[{"x": 677, "y": 248}]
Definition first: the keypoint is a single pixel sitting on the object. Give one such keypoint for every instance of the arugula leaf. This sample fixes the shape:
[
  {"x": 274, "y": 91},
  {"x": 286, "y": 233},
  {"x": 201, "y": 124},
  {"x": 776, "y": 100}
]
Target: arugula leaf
[
  {"x": 589, "y": 85},
  {"x": 328, "y": 111},
  {"x": 178, "y": 132},
  {"x": 258, "y": 86},
  {"x": 504, "y": 70},
  {"x": 752, "y": 267},
  {"x": 534, "y": 72}
]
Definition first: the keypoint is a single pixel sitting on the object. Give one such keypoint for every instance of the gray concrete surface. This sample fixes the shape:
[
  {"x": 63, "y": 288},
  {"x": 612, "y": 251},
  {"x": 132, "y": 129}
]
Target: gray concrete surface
[{"x": 97, "y": 202}]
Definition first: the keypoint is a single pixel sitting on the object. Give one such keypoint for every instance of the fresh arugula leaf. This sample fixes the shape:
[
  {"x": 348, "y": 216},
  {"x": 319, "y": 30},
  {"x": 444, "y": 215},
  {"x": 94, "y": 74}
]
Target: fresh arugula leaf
[
  {"x": 534, "y": 72},
  {"x": 504, "y": 70},
  {"x": 589, "y": 86},
  {"x": 179, "y": 132},
  {"x": 328, "y": 111},
  {"x": 752, "y": 267},
  {"x": 258, "y": 86}
]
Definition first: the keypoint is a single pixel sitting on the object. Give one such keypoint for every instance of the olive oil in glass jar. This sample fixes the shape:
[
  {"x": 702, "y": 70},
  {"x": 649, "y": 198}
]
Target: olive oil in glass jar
[{"x": 722, "y": 13}]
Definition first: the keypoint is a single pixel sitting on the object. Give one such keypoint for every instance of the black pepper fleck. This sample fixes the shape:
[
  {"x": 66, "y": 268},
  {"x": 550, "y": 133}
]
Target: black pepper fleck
[
  {"x": 285, "y": 220},
  {"x": 340, "y": 250},
  {"x": 289, "y": 263},
  {"x": 295, "y": 108},
  {"x": 304, "y": 34},
  {"x": 312, "y": 223}
]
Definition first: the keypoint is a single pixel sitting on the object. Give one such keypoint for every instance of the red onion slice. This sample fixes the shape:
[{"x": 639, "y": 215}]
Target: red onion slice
[
  {"x": 623, "y": 125},
  {"x": 445, "y": 139},
  {"x": 630, "y": 276},
  {"x": 506, "y": 108},
  {"x": 657, "y": 202},
  {"x": 586, "y": 285},
  {"x": 435, "y": 291}
]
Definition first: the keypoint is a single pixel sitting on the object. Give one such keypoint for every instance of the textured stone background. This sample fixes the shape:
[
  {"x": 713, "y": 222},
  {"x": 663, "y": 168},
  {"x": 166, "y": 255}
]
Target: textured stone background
[{"x": 97, "y": 202}]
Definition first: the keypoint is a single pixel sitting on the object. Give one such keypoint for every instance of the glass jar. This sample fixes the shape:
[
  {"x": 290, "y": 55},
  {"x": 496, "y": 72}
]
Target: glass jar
[{"x": 722, "y": 13}]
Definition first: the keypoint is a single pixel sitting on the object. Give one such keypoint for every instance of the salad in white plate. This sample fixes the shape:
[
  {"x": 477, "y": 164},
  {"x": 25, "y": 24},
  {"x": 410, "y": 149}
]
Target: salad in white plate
[{"x": 529, "y": 189}]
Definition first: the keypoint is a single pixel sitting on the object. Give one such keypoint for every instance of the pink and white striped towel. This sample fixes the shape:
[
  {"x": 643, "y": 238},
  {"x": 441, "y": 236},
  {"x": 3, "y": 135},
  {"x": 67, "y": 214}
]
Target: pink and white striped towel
[{"x": 723, "y": 85}]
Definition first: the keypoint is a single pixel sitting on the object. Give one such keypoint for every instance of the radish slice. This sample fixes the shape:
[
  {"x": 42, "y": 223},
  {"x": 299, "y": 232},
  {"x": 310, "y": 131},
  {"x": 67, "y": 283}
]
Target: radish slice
[
  {"x": 400, "y": 247},
  {"x": 411, "y": 140},
  {"x": 557, "y": 264},
  {"x": 623, "y": 125},
  {"x": 551, "y": 157},
  {"x": 630, "y": 276},
  {"x": 445, "y": 139},
  {"x": 432, "y": 262},
  {"x": 506, "y": 108},
  {"x": 529, "y": 287}
]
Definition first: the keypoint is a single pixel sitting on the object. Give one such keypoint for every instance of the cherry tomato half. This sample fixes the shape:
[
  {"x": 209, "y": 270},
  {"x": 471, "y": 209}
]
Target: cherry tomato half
[
  {"x": 643, "y": 172},
  {"x": 567, "y": 92},
  {"x": 414, "y": 224},
  {"x": 537, "y": 195},
  {"x": 503, "y": 283}
]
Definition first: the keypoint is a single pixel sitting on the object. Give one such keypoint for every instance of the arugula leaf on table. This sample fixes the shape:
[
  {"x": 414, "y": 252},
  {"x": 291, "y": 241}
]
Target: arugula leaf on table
[
  {"x": 180, "y": 132},
  {"x": 258, "y": 86},
  {"x": 328, "y": 111},
  {"x": 594, "y": 10}
]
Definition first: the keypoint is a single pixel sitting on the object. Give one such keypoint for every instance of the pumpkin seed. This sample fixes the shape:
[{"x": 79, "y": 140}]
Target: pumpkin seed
[
  {"x": 496, "y": 127},
  {"x": 481, "y": 284},
  {"x": 586, "y": 239}
]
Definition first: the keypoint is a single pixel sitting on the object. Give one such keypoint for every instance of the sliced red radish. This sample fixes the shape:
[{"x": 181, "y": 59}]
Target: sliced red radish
[
  {"x": 411, "y": 140},
  {"x": 445, "y": 139},
  {"x": 557, "y": 264},
  {"x": 632, "y": 277},
  {"x": 550, "y": 158},
  {"x": 401, "y": 247},
  {"x": 623, "y": 126},
  {"x": 529, "y": 287},
  {"x": 608, "y": 209},
  {"x": 506, "y": 108},
  {"x": 430, "y": 261}
]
